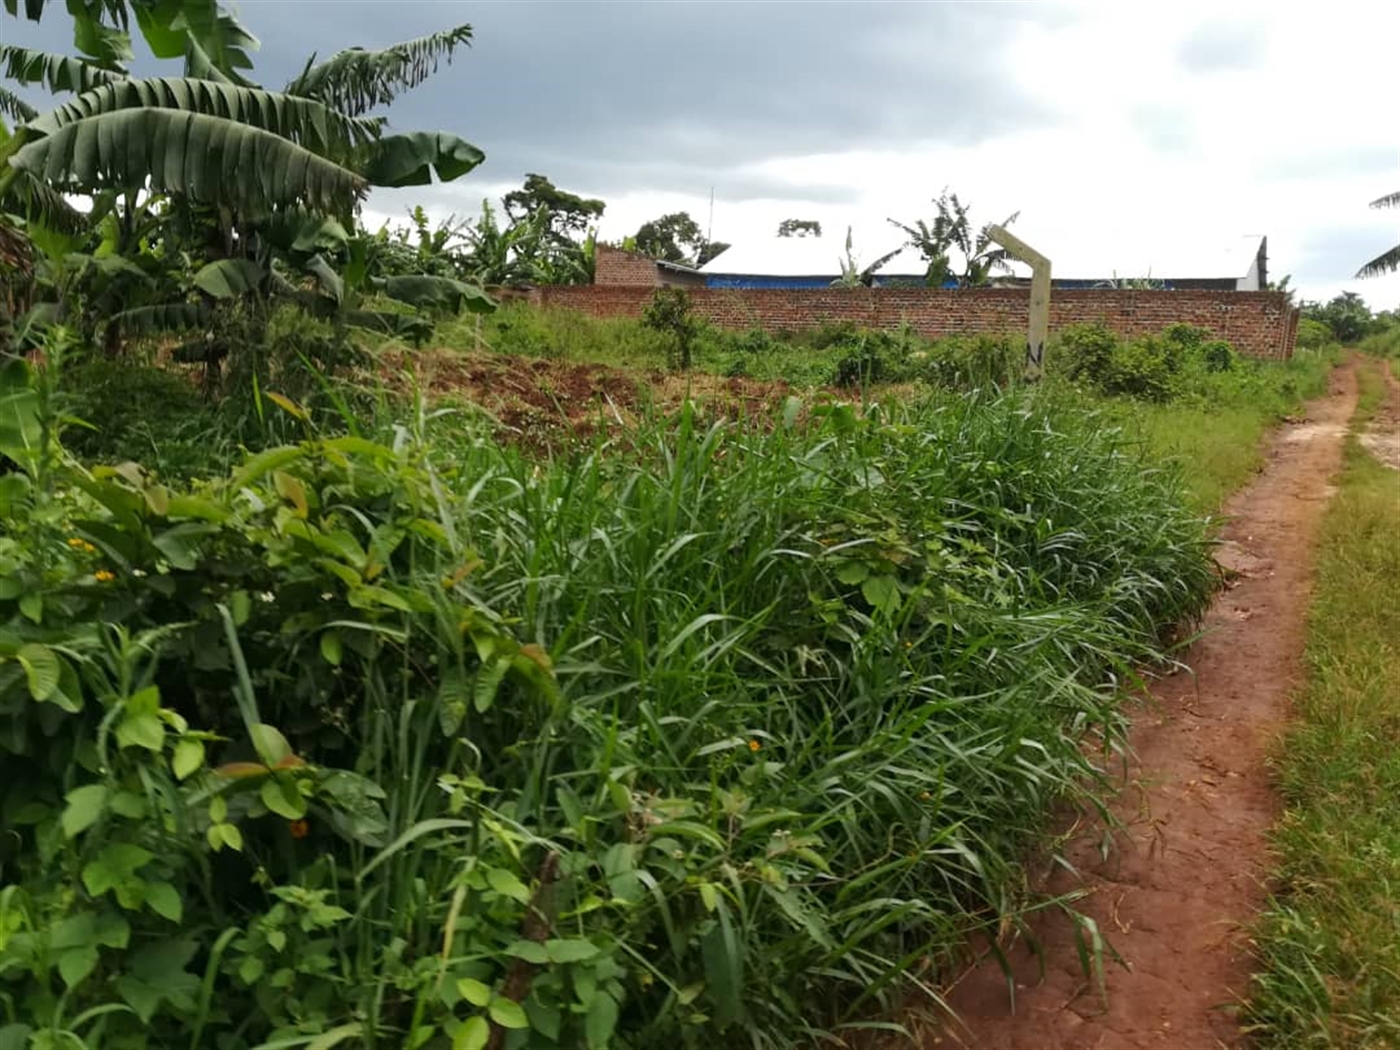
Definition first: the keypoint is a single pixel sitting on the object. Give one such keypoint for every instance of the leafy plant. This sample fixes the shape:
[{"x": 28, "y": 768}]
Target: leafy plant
[{"x": 671, "y": 313}]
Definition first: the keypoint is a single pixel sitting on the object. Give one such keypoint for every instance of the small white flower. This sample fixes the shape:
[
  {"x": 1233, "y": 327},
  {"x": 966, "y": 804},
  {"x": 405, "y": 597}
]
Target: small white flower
[{"x": 265, "y": 596}]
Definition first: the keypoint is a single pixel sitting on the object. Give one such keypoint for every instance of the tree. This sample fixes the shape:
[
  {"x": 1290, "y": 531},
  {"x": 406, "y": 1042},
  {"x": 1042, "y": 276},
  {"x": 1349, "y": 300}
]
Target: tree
[
  {"x": 568, "y": 212},
  {"x": 799, "y": 228},
  {"x": 1347, "y": 315},
  {"x": 674, "y": 238},
  {"x": 1388, "y": 261},
  {"x": 951, "y": 230}
]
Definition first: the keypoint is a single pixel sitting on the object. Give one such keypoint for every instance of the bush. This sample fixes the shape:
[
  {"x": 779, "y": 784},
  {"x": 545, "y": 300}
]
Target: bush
[
  {"x": 1313, "y": 335},
  {"x": 126, "y": 411},
  {"x": 285, "y": 755}
]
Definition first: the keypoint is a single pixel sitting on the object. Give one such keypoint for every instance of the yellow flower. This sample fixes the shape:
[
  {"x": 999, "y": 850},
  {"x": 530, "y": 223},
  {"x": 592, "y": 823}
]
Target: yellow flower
[
  {"x": 102, "y": 576},
  {"x": 80, "y": 544},
  {"x": 754, "y": 745}
]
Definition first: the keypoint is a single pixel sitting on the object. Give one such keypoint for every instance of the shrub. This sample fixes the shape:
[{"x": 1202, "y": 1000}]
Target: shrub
[
  {"x": 285, "y": 757},
  {"x": 1313, "y": 335},
  {"x": 671, "y": 313}
]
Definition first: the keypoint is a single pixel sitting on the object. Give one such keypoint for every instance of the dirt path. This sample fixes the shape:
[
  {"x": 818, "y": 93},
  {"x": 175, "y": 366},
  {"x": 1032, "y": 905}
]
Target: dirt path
[{"x": 1186, "y": 874}]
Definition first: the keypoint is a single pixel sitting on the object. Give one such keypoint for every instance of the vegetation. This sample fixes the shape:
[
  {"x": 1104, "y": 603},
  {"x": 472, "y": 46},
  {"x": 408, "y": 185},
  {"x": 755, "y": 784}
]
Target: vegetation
[
  {"x": 1387, "y": 261},
  {"x": 785, "y": 724},
  {"x": 330, "y": 718},
  {"x": 676, "y": 238},
  {"x": 951, "y": 231},
  {"x": 799, "y": 228},
  {"x": 1328, "y": 944}
]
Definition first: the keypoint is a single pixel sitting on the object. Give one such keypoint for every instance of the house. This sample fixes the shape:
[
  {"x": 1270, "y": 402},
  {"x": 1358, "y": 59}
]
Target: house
[
  {"x": 802, "y": 262},
  {"x": 1241, "y": 265},
  {"x": 615, "y": 267}
]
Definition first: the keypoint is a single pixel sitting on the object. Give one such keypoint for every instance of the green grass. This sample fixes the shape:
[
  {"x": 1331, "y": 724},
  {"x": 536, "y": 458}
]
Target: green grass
[
  {"x": 1329, "y": 944},
  {"x": 1220, "y": 439},
  {"x": 816, "y": 681}
]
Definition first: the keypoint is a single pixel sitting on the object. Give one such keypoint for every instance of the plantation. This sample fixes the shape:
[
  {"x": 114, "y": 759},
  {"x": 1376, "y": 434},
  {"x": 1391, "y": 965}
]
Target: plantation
[{"x": 383, "y": 665}]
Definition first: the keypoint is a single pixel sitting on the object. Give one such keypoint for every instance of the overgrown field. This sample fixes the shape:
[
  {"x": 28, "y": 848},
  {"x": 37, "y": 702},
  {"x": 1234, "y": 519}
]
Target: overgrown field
[
  {"x": 393, "y": 736},
  {"x": 1330, "y": 943}
]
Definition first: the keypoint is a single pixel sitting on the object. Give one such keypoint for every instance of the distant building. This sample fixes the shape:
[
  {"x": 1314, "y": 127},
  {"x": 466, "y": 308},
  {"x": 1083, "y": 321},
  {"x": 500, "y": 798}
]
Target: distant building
[
  {"x": 1241, "y": 266},
  {"x": 615, "y": 267},
  {"x": 812, "y": 262},
  {"x": 801, "y": 262}
]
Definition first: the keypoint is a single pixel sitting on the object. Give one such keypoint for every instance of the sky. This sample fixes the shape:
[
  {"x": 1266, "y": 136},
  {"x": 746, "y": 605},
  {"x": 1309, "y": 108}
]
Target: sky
[{"x": 1132, "y": 138}]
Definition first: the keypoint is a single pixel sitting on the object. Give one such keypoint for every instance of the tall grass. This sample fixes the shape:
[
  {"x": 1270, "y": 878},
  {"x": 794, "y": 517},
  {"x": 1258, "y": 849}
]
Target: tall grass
[
  {"x": 812, "y": 683},
  {"x": 1329, "y": 945}
]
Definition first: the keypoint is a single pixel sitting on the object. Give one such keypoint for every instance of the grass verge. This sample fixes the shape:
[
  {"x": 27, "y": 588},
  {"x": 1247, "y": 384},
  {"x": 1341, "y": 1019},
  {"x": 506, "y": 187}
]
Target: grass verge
[
  {"x": 1329, "y": 944},
  {"x": 1220, "y": 441}
]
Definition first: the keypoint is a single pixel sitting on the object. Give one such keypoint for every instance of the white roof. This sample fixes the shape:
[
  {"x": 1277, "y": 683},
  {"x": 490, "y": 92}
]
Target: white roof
[
  {"x": 805, "y": 257},
  {"x": 1232, "y": 257}
]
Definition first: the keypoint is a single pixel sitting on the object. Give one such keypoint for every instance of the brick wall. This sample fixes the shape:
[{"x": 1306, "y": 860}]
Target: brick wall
[
  {"x": 615, "y": 268},
  {"x": 1261, "y": 324}
]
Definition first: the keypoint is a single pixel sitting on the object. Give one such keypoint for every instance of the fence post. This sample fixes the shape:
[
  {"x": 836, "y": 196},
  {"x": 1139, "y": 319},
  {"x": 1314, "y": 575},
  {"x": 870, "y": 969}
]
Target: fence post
[{"x": 1039, "y": 326}]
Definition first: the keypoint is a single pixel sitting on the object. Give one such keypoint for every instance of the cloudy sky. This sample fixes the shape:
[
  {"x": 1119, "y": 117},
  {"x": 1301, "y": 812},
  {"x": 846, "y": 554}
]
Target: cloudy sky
[{"x": 1132, "y": 137}]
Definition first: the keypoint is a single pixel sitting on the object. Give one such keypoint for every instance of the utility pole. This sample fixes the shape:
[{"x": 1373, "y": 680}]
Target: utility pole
[{"x": 1038, "y": 328}]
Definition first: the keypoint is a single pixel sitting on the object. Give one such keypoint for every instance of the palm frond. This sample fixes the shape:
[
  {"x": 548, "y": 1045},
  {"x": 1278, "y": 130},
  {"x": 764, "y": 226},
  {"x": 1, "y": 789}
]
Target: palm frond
[
  {"x": 1386, "y": 262},
  {"x": 208, "y": 158},
  {"x": 1390, "y": 200},
  {"x": 14, "y": 107},
  {"x": 303, "y": 121},
  {"x": 56, "y": 72},
  {"x": 355, "y": 81}
]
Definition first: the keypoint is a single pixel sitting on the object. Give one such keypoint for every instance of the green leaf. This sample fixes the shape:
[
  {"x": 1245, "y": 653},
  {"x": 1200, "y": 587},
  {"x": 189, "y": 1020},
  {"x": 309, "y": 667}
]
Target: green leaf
[
  {"x": 724, "y": 967},
  {"x": 601, "y": 1020},
  {"x": 189, "y": 756},
  {"x": 507, "y": 884},
  {"x": 852, "y": 572},
  {"x": 472, "y": 1034},
  {"x": 32, "y": 606},
  {"x": 881, "y": 592},
  {"x": 473, "y": 991},
  {"x": 439, "y": 293},
  {"x": 488, "y": 683},
  {"x": 282, "y": 797},
  {"x": 230, "y": 836},
  {"x": 530, "y": 951},
  {"x": 142, "y": 731},
  {"x": 452, "y": 701},
  {"x": 76, "y": 963},
  {"x": 41, "y": 669},
  {"x": 570, "y": 951},
  {"x": 508, "y": 1013},
  {"x": 84, "y": 806},
  {"x": 270, "y": 744},
  {"x": 164, "y": 900},
  {"x": 330, "y": 647},
  {"x": 356, "y": 80},
  {"x": 229, "y": 278},
  {"x": 210, "y": 159}
]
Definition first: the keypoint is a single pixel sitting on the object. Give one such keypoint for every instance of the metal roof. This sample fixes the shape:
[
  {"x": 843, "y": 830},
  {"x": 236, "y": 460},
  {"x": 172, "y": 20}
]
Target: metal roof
[
  {"x": 806, "y": 257},
  {"x": 822, "y": 257}
]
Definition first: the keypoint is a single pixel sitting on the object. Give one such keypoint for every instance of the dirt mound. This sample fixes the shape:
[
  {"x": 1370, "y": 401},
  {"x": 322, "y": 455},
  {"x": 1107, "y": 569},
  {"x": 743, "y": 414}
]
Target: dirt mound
[{"x": 549, "y": 404}]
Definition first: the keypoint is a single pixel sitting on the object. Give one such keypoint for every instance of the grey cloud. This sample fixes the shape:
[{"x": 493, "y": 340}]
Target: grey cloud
[
  {"x": 1219, "y": 46},
  {"x": 1334, "y": 255},
  {"x": 610, "y": 98}
]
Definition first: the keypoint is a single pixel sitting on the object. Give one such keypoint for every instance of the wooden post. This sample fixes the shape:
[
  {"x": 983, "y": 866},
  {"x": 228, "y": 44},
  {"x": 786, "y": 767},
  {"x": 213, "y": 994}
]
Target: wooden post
[{"x": 1039, "y": 327}]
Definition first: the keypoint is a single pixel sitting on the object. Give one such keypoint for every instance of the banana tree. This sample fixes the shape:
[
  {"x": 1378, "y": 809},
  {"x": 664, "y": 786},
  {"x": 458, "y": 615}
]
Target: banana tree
[{"x": 242, "y": 162}]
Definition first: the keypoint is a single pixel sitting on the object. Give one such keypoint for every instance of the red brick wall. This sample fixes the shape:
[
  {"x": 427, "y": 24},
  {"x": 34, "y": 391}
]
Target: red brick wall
[
  {"x": 1261, "y": 324},
  {"x": 615, "y": 268}
]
